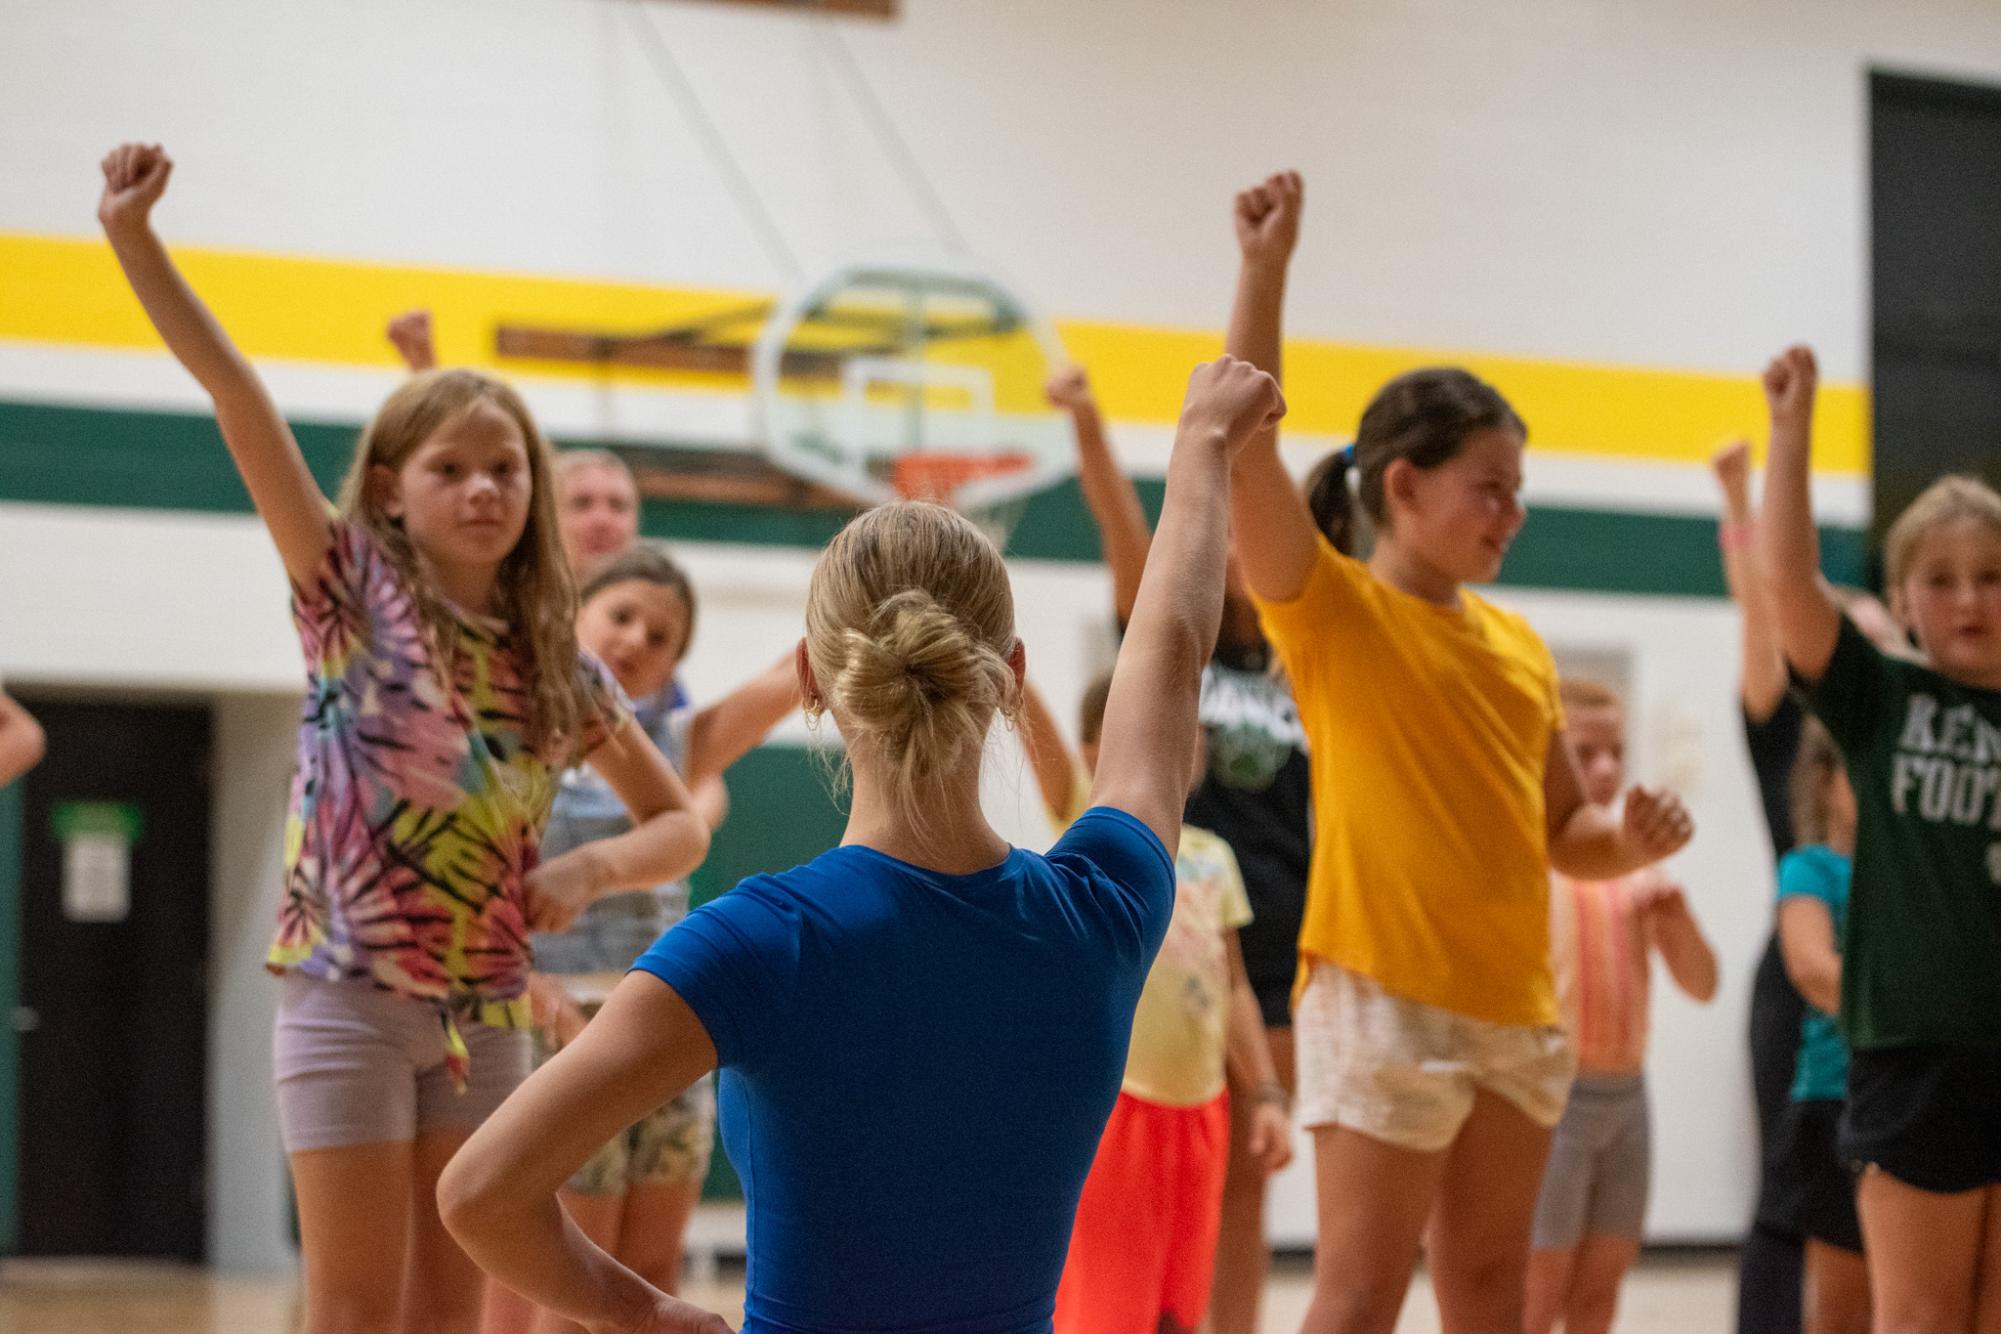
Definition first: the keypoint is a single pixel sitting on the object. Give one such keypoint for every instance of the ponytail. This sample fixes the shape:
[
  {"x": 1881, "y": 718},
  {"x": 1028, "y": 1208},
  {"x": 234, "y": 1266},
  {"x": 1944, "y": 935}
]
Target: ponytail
[{"x": 1331, "y": 501}]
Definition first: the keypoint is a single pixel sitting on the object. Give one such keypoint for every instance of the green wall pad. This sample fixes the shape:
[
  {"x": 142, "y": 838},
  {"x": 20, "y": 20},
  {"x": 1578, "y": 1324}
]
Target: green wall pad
[{"x": 175, "y": 461}]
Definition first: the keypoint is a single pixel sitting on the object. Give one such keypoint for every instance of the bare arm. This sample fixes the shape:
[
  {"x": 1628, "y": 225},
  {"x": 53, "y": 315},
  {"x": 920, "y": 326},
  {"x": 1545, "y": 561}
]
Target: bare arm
[
  {"x": 1271, "y": 527},
  {"x": 1788, "y": 547},
  {"x": 1588, "y": 841},
  {"x": 266, "y": 454},
  {"x": 498, "y": 1195},
  {"x": 1247, "y": 1053},
  {"x": 1108, "y": 493},
  {"x": 667, "y": 840},
  {"x": 1678, "y": 939},
  {"x": 1048, "y": 753},
  {"x": 710, "y": 798},
  {"x": 1806, "y": 943},
  {"x": 1149, "y": 730},
  {"x": 1761, "y": 671},
  {"x": 22, "y": 741},
  {"x": 722, "y": 733}
]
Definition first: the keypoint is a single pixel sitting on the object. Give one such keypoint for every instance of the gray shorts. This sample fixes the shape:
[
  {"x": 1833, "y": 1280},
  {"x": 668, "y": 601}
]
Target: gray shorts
[
  {"x": 1600, "y": 1164},
  {"x": 356, "y": 1064}
]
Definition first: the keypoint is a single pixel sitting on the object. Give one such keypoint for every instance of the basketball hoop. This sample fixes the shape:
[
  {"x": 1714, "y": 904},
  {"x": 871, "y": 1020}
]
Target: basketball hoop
[
  {"x": 914, "y": 379},
  {"x": 957, "y": 480},
  {"x": 941, "y": 476}
]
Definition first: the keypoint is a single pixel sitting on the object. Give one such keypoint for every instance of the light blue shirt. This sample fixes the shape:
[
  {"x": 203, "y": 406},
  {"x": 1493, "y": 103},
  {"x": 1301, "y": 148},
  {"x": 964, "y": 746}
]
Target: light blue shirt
[{"x": 613, "y": 931}]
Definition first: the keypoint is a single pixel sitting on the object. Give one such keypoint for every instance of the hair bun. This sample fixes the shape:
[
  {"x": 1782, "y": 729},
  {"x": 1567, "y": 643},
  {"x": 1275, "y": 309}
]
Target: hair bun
[
  {"x": 909, "y": 632},
  {"x": 916, "y": 670}
]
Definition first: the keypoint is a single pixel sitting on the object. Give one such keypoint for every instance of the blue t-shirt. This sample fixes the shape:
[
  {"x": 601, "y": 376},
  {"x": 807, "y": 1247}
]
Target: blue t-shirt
[
  {"x": 916, "y": 1070},
  {"x": 1819, "y": 872}
]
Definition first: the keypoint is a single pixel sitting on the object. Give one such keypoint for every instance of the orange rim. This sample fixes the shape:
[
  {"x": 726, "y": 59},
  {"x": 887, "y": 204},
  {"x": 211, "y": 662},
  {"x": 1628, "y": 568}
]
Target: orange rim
[{"x": 939, "y": 476}]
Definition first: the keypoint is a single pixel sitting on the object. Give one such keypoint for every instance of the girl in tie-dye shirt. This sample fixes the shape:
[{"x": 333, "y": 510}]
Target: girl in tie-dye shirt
[{"x": 445, "y": 691}]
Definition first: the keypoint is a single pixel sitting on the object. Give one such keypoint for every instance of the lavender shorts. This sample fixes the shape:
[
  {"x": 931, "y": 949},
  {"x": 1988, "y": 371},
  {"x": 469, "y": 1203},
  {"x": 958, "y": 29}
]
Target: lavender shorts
[{"x": 356, "y": 1064}]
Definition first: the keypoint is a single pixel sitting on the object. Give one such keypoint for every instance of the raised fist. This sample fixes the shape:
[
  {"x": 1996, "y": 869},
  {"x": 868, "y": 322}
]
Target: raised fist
[
  {"x": 1732, "y": 466},
  {"x": 1068, "y": 388},
  {"x": 1790, "y": 382},
  {"x": 135, "y": 176},
  {"x": 411, "y": 333},
  {"x": 1267, "y": 218},
  {"x": 1234, "y": 397}
]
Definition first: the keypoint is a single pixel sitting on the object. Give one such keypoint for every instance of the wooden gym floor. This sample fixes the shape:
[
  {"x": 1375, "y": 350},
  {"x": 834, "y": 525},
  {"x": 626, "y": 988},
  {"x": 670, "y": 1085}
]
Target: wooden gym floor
[{"x": 1678, "y": 1293}]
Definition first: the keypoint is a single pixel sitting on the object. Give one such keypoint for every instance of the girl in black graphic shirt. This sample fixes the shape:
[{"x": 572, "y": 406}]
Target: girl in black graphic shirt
[{"x": 1256, "y": 796}]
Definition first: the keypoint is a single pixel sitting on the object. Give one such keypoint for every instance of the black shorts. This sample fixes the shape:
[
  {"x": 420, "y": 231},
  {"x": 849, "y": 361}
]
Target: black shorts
[
  {"x": 1274, "y": 1002},
  {"x": 1929, "y": 1116},
  {"x": 1826, "y": 1186},
  {"x": 1776, "y": 1011}
]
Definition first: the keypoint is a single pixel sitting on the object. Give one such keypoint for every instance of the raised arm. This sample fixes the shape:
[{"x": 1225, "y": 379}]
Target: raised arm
[
  {"x": 1149, "y": 729},
  {"x": 1761, "y": 669},
  {"x": 281, "y": 486},
  {"x": 1271, "y": 527},
  {"x": 1788, "y": 547},
  {"x": 722, "y": 733},
  {"x": 1048, "y": 753},
  {"x": 410, "y": 332},
  {"x": 667, "y": 840},
  {"x": 22, "y": 741},
  {"x": 498, "y": 1194},
  {"x": 1108, "y": 493}
]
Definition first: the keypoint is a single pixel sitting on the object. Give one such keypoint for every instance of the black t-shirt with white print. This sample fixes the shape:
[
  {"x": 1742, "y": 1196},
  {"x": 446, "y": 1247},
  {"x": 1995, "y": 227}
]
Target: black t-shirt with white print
[{"x": 1257, "y": 796}]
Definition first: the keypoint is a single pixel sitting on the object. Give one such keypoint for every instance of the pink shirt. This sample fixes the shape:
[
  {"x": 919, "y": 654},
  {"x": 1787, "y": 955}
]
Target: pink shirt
[{"x": 1598, "y": 947}]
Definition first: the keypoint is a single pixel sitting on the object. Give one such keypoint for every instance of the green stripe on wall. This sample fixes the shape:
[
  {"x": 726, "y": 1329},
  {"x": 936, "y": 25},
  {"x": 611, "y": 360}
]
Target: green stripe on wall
[{"x": 175, "y": 461}]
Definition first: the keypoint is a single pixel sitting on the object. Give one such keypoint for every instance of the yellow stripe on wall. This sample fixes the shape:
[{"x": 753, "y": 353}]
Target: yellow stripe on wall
[{"x": 66, "y": 290}]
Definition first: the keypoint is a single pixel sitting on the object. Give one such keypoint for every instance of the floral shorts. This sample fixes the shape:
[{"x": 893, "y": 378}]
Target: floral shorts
[{"x": 667, "y": 1147}]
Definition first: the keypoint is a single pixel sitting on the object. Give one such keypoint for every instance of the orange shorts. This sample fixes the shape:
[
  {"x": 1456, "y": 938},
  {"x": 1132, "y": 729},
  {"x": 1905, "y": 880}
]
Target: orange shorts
[{"x": 1144, "y": 1244}]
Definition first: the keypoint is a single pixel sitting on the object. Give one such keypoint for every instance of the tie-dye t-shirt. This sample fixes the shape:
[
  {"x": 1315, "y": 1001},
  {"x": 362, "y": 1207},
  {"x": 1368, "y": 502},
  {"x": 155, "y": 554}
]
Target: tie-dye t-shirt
[{"x": 417, "y": 808}]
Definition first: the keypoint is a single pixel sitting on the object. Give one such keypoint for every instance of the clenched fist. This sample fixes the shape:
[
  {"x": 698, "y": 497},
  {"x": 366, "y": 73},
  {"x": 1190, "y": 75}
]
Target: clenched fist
[
  {"x": 1267, "y": 218},
  {"x": 135, "y": 176},
  {"x": 1234, "y": 398}
]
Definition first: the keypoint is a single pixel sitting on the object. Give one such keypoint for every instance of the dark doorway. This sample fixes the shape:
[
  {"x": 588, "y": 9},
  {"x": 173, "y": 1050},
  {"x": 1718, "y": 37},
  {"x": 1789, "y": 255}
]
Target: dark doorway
[
  {"x": 1935, "y": 190},
  {"x": 113, "y": 1009}
]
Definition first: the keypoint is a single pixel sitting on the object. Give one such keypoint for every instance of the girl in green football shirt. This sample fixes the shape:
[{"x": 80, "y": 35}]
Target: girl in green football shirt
[{"x": 1921, "y": 963}]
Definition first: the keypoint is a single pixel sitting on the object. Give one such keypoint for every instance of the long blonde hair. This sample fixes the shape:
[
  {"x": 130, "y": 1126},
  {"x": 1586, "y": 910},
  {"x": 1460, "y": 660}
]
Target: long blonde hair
[
  {"x": 909, "y": 631},
  {"x": 538, "y": 598}
]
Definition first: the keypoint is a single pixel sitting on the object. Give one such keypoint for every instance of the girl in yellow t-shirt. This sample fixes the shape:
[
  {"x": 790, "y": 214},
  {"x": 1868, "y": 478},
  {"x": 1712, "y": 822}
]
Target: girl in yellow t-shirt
[{"x": 1431, "y": 1063}]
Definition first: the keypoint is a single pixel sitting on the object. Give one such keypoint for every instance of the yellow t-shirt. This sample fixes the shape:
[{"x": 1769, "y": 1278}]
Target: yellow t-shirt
[
  {"x": 1176, "y": 1057},
  {"x": 1429, "y": 729}
]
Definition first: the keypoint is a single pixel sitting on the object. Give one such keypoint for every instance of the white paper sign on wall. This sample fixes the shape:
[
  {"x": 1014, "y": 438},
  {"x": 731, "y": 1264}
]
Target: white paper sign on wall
[{"x": 97, "y": 839}]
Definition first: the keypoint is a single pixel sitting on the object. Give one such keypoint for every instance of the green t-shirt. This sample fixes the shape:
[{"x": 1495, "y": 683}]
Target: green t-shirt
[{"x": 1922, "y": 958}]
